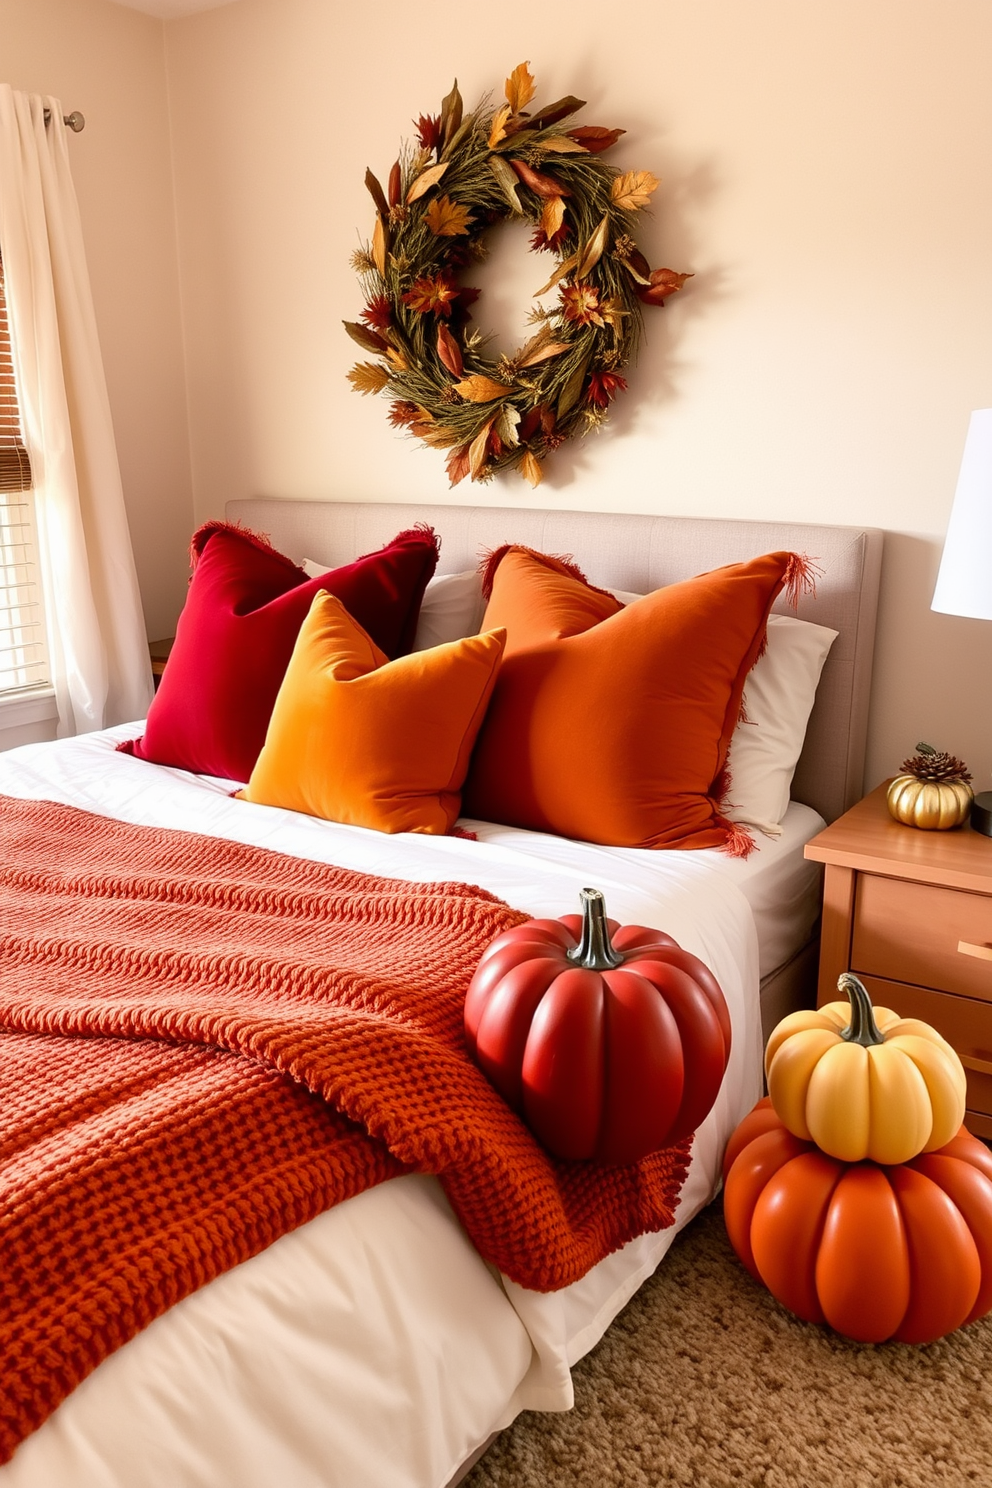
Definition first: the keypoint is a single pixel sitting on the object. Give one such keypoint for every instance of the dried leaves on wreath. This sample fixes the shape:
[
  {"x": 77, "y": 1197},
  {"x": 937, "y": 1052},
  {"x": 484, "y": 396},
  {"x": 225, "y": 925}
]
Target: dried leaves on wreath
[
  {"x": 460, "y": 179},
  {"x": 633, "y": 190},
  {"x": 447, "y": 219}
]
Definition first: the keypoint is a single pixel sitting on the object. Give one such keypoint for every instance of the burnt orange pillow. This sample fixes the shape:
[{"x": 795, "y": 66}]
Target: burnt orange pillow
[
  {"x": 357, "y": 738},
  {"x": 540, "y": 598},
  {"x": 619, "y": 734}
]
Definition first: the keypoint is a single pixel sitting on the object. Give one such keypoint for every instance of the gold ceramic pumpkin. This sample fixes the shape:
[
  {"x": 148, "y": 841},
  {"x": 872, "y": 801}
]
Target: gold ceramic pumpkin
[
  {"x": 882, "y": 1087},
  {"x": 933, "y": 805},
  {"x": 932, "y": 790}
]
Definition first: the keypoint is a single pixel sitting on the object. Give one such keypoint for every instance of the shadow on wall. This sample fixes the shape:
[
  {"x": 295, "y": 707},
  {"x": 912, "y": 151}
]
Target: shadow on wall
[{"x": 923, "y": 661}]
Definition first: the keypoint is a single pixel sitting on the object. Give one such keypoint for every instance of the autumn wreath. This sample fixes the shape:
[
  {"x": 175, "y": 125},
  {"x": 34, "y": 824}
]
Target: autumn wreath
[{"x": 467, "y": 174}]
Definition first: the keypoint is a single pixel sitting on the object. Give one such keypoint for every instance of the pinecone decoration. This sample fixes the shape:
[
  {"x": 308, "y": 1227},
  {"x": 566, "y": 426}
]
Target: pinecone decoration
[
  {"x": 933, "y": 791},
  {"x": 935, "y": 765}
]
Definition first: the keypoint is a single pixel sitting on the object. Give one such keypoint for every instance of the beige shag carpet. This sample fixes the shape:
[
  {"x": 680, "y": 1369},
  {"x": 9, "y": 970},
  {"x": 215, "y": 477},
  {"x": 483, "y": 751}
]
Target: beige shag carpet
[{"x": 705, "y": 1381}]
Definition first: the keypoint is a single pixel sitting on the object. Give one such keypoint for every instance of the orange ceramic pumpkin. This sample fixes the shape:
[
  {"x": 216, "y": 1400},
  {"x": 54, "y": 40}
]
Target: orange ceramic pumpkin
[{"x": 901, "y": 1252}]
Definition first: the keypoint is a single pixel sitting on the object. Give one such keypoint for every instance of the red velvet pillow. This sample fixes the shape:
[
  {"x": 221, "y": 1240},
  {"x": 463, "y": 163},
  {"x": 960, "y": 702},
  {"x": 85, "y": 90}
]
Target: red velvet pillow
[{"x": 236, "y": 633}]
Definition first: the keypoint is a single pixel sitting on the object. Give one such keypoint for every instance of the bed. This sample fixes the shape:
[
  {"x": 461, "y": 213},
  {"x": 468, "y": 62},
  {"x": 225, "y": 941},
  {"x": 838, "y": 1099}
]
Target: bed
[{"x": 373, "y": 1344}]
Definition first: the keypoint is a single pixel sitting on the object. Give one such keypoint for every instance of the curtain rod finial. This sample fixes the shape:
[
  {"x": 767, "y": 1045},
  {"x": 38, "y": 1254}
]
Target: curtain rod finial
[{"x": 75, "y": 120}]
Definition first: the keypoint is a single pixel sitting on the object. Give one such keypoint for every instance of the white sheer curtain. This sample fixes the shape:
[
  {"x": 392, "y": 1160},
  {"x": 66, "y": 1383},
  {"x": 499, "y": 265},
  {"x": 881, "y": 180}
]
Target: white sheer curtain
[{"x": 101, "y": 670}]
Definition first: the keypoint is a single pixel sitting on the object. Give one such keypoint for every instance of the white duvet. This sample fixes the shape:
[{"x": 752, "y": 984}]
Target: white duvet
[{"x": 373, "y": 1348}]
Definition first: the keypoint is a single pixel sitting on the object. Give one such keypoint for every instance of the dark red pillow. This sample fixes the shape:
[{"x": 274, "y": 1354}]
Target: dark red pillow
[{"x": 236, "y": 633}]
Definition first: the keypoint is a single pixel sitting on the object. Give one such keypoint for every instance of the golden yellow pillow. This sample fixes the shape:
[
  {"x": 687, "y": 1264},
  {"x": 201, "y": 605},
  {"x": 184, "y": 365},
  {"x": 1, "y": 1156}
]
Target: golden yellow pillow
[{"x": 357, "y": 738}]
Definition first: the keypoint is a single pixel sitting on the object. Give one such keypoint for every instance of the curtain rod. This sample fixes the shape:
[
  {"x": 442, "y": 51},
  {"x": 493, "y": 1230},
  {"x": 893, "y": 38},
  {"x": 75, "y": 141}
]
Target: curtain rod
[{"x": 75, "y": 120}]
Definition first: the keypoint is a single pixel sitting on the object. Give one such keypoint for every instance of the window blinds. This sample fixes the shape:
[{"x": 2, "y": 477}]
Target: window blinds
[{"x": 23, "y": 652}]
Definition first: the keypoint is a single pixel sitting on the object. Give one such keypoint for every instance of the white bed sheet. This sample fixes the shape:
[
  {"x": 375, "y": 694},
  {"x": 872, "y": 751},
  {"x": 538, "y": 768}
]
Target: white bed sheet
[
  {"x": 373, "y": 1345},
  {"x": 780, "y": 885}
]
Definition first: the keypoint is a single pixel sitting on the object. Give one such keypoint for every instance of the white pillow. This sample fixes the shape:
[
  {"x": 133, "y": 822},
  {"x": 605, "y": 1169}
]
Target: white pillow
[
  {"x": 452, "y": 606},
  {"x": 778, "y": 699}
]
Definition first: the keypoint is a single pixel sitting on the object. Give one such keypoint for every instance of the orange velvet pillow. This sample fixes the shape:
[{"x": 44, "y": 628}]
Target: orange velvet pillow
[
  {"x": 619, "y": 734},
  {"x": 360, "y": 739},
  {"x": 540, "y": 598}
]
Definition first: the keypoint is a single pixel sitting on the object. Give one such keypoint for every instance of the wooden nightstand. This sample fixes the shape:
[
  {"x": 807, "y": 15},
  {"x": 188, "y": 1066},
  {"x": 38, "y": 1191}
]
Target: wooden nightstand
[
  {"x": 910, "y": 912},
  {"x": 159, "y": 653}
]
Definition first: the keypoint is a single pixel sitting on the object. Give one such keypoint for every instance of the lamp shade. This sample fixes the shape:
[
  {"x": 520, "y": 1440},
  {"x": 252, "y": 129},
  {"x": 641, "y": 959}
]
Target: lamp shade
[{"x": 964, "y": 580}]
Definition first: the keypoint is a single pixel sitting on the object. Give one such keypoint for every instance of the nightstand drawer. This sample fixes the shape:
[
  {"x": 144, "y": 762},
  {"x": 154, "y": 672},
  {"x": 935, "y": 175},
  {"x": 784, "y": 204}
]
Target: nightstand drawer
[
  {"x": 962, "y": 1021},
  {"x": 910, "y": 932}
]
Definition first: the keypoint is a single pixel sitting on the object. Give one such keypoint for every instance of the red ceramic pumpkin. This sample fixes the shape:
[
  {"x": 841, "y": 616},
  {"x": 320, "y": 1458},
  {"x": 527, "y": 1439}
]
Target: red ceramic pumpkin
[
  {"x": 901, "y": 1252},
  {"x": 611, "y": 1042}
]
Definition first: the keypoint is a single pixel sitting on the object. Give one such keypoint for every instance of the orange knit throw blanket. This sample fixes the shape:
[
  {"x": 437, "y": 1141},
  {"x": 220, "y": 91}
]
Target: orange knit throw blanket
[{"x": 203, "y": 1045}]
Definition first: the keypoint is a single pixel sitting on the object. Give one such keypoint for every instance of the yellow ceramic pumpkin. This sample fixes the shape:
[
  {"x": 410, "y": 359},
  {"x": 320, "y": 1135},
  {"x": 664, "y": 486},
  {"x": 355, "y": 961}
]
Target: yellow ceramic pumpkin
[{"x": 861, "y": 1082}]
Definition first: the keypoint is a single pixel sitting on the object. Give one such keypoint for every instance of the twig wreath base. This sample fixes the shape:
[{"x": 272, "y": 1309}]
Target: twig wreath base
[{"x": 466, "y": 175}]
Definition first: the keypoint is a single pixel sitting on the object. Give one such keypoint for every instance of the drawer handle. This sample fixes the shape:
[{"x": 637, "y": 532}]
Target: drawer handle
[
  {"x": 980, "y": 1066},
  {"x": 968, "y": 948}
]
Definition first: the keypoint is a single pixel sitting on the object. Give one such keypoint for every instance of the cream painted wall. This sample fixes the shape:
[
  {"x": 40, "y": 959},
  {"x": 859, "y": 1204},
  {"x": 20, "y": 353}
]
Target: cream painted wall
[
  {"x": 109, "y": 63},
  {"x": 825, "y": 175}
]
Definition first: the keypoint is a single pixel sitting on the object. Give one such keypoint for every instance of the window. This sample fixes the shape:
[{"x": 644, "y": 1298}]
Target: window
[{"x": 23, "y": 649}]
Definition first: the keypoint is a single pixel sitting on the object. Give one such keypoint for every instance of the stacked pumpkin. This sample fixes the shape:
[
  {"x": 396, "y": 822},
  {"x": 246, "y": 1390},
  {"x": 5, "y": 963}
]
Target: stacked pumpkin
[{"x": 852, "y": 1191}]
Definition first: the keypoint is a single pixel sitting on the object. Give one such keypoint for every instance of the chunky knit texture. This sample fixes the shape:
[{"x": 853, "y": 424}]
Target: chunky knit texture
[{"x": 203, "y": 1045}]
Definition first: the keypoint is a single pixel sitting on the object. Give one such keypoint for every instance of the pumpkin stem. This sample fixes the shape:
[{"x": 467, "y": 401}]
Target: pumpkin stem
[
  {"x": 594, "y": 951},
  {"x": 862, "y": 1028}
]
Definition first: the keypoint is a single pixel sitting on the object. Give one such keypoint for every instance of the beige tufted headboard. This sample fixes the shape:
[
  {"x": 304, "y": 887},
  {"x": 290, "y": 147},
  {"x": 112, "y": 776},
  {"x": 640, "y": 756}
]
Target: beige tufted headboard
[{"x": 642, "y": 553}]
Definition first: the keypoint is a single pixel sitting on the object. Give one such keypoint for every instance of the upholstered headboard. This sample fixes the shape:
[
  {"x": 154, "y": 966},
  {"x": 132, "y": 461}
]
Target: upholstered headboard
[{"x": 641, "y": 553}]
